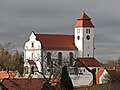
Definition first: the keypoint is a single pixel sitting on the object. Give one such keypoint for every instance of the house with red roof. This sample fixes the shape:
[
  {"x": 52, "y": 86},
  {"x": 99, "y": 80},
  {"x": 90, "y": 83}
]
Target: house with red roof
[
  {"x": 60, "y": 49},
  {"x": 106, "y": 76},
  {"x": 10, "y": 74}
]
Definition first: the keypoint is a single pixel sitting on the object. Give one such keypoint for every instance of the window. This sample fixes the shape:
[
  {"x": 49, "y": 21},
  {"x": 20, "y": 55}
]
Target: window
[
  {"x": 32, "y": 70},
  {"x": 78, "y": 31},
  {"x": 26, "y": 69},
  {"x": 59, "y": 58},
  {"x": 48, "y": 58},
  {"x": 87, "y": 30},
  {"x": 78, "y": 37},
  {"x": 88, "y": 37},
  {"x": 83, "y": 70},
  {"x": 71, "y": 58},
  {"x": 32, "y": 55},
  {"x": 32, "y": 45},
  {"x": 88, "y": 55}
]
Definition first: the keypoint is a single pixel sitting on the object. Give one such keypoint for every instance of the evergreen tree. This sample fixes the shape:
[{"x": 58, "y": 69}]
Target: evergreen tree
[{"x": 65, "y": 82}]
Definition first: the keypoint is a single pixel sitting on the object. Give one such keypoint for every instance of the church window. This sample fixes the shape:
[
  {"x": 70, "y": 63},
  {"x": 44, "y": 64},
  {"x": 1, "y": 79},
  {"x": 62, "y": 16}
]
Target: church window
[
  {"x": 26, "y": 69},
  {"x": 78, "y": 31},
  {"x": 88, "y": 37},
  {"x": 87, "y": 30},
  {"x": 32, "y": 55},
  {"x": 59, "y": 58},
  {"x": 32, "y": 70},
  {"x": 71, "y": 58},
  {"x": 78, "y": 37},
  {"x": 48, "y": 58},
  {"x": 32, "y": 45},
  {"x": 88, "y": 55}
]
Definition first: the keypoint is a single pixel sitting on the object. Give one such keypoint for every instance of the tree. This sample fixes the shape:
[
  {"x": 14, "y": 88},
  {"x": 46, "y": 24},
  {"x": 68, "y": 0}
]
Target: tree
[
  {"x": 10, "y": 59},
  {"x": 92, "y": 71},
  {"x": 65, "y": 82}
]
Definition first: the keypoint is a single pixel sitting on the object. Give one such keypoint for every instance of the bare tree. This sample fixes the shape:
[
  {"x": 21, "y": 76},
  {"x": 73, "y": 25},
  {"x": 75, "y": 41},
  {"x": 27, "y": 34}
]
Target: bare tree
[
  {"x": 92, "y": 71},
  {"x": 10, "y": 59}
]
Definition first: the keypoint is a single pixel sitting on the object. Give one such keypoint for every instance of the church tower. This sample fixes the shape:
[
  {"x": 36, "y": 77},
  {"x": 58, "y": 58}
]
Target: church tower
[{"x": 84, "y": 36}]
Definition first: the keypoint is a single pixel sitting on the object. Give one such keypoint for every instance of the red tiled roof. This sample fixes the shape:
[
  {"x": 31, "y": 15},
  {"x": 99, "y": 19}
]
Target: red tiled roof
[
  {"x": 84, "y": 21},
  {"x": 24, "y": 83},
  {"x": 99, "y": 73},
  {"x": 4, "y": 74},
  {"x": 90, "y": 62},
  {"x": 56, "y": 42}
]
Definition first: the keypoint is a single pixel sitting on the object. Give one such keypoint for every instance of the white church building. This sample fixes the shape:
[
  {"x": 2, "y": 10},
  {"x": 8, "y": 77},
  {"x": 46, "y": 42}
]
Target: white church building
[{"x": 60, "y": 48}]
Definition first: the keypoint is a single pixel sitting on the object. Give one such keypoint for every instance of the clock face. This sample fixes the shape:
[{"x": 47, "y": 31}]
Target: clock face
[{"x": 88, "y": 37}]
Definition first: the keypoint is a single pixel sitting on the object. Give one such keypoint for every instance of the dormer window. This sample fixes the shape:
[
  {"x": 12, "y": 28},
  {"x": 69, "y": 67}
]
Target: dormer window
[{"x": 32, "y": 45}]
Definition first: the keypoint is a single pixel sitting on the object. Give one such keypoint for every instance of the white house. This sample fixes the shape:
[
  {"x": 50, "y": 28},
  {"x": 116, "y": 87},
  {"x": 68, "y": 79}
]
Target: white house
[
  {"x": 105, "y": 76},
  {"x": 41, "y": 48}
]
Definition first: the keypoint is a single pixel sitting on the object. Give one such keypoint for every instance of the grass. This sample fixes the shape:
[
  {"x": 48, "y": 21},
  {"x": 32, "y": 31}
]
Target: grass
[{"x": 95, "y": 87}]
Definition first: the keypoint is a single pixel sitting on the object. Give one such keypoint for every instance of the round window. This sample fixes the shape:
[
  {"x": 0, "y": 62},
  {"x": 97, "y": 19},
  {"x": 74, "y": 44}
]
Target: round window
[
  {"x": 78, "y": 37},
  {"x": 88, "y": 37}
]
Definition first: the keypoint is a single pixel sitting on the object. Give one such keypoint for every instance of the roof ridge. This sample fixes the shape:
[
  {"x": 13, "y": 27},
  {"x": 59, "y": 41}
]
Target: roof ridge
[{"x": 55, "y": 34}]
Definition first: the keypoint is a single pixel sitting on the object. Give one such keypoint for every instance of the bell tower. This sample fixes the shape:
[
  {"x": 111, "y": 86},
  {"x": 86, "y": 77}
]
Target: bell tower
[{"x": 84, "y": 36}]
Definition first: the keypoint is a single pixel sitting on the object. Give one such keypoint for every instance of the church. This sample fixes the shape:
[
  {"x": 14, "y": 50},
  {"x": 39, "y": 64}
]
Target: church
[{"x": 42, "y": 49}]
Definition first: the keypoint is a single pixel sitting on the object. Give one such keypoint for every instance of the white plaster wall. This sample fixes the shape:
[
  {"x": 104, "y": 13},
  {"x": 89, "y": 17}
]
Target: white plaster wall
[
  {"x": 103, "y": 78},
  {"x": 65, "y": 55},
  {"x": 84, "y": 46},
  {"x": 81, "y": 79},
  {"x": 33, "y": 53},
  {"x": 79, "y": 42},
  {"x": 89, "y": 44}
]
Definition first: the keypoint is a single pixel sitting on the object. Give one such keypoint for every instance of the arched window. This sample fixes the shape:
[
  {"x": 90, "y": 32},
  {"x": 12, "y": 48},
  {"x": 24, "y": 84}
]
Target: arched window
[
  {"x": 26, "y": 69},
  {"x": 59, "y": 58},
  {"x": 32, "y": 69},
  {"x": 48, "y": 58},
  {"x": 32, "y": 45},
  {"x": 71, "y": 58}
]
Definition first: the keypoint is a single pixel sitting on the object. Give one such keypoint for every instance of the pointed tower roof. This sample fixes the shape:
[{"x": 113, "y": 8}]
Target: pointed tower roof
[{"x": 84, "y": 21}]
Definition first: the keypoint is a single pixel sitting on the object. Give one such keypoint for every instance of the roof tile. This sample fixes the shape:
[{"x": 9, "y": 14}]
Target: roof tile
[
  {"x": 90, "y": 62},
  {"x": 56, "y": 42},
  {"x": 24, "y": 83},
  {"x": 84, "y": 21}
]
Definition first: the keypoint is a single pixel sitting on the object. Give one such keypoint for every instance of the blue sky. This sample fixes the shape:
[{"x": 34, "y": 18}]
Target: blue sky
[{"x": 19, "y": 17}]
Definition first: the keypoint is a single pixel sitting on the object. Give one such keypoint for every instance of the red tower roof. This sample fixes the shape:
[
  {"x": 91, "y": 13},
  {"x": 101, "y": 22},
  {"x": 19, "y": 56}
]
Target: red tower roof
[{"x": 84, "y": 21}]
